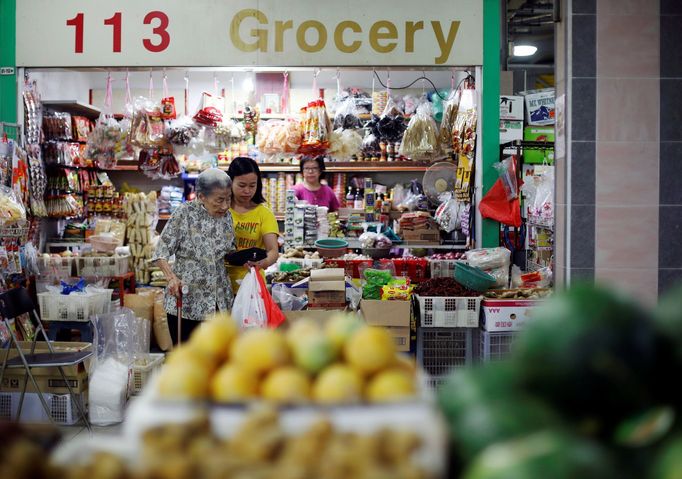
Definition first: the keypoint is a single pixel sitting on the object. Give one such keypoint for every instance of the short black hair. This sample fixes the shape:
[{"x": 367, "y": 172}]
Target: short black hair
[
  {"x": 318, "y": 159},
  {"x": 243, "y": 165}
]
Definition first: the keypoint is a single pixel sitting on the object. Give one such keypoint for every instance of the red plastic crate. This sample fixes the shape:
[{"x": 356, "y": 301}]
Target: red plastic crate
[
  {"x": 417, "y": 269},
  {"x": 351, "y": 266}
]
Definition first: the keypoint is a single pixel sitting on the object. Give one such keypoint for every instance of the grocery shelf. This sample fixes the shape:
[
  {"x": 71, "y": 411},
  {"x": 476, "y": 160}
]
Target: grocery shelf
[
  {"x": 124, "y": 167},
  {"x": 73, "y": 107},
  {"x": 349, "y": 167},
  {"x": 354, "y": 243}
]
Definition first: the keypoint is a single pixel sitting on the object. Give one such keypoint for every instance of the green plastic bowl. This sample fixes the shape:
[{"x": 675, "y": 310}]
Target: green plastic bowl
[
  {"x": 473, "y": 278},
  {"x": 331, "y": 243}
]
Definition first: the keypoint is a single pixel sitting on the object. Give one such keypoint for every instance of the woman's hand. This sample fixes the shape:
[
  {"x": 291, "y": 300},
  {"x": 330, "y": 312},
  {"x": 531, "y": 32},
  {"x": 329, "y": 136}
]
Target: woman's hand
[
  {"x": 256, "y": 264},
  {"x": 174, "y": 286}
]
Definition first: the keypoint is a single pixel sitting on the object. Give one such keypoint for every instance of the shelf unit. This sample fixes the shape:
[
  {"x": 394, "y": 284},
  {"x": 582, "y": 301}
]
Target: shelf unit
[
  {"x": 349, "y": 167},
  {"x": 73, "y": 107}
]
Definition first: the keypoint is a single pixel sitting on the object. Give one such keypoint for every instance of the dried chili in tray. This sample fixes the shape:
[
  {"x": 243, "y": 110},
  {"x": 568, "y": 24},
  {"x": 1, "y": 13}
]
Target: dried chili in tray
[{"x": 443, "y": 287}]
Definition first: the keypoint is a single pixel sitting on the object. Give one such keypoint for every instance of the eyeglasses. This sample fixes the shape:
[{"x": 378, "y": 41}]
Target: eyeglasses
[{"x": 313, "y": 170}]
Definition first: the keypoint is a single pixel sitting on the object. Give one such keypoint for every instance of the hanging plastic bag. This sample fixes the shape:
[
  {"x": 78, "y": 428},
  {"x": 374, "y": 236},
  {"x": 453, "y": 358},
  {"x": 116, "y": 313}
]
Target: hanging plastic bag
[
  {"x": 248, "y": 309},
  {"x": 450, "y": 110},
  {"x": 273, "y": 313},
  {"x": 104, "y": 139},
  {"x": 211, "y": 110},
  {"x": 344, "y": 144},
  {"x": 496, "y": 206},
  {"x": 420, "y": 141},
  {"x": 447, "y": 215},
  {"x": 346, "y": 115},
  {"x": 542, "y": 209},
  {"x": 506, "y": 170},
  {"x": 181, "y": 131},
  {"x": 464, "y": 127}
]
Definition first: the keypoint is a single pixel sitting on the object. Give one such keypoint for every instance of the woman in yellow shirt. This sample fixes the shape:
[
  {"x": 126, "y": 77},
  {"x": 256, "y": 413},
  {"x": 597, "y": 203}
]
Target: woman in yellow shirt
[{"x": 254, "y": 223}]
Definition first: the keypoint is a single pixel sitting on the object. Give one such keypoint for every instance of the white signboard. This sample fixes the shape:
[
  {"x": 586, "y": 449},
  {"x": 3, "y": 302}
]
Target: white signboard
[{"x": 209, "y": 33}]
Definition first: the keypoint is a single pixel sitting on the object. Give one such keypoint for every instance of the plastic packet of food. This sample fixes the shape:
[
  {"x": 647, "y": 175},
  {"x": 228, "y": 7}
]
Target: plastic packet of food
[
  {"x": 450, "y": 109},
  {"x": 346, "y": 115},
  {"x": 420, "y": 141},
  {"x": 181, "y": 131}
]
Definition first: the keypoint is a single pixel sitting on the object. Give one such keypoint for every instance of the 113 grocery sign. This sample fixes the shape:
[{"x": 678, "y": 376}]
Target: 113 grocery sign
[{"x": 247, "y": 32}]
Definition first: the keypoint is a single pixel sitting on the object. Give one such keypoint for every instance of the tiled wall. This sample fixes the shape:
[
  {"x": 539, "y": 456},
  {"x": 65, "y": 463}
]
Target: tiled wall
[
  {"x": 670, "y": 186},
  {"x": 624, "y": 168}
]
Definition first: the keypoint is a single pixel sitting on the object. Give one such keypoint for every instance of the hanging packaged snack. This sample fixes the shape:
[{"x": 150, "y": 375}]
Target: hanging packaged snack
[
  {"x": 181, "y": 131},
  {"x": 211, "y": 110},
  {"x": 316, "y": 128},
  {"x": 81, "y": 128},
  {"x": 420, "y": 141},
  {"x": 344, "y": 144},
  {"x": 11, "y": 209},
  {"x": 346, "y": 115},
  {"x": 464, "y": 128},
  {"x": 279, "y": 136},
  {"x": 147, "y": 128},
  {"x": 449, "y": 115},
  {"x": 228, "y": 133},
  {"x": 391, "y": 124},
  {"x": 168, "y": 108}
]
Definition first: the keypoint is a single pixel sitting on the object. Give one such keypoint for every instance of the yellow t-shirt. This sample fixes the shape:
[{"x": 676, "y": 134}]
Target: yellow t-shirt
[{"x": 249, "y": 229}]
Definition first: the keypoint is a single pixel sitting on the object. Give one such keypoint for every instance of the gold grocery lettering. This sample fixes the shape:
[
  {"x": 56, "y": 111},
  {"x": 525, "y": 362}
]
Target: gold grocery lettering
[
  {"x": 410, "y": 29},
  {"x": 321, "y": 36},
  {"x": 338, "y": 36},
  {"x": 260, "y": 34},
  {"x": 383, "y": 35},
  {"x": 444, "y": 45},
  {"x": 280, "y": 28},
  {"x": 375, "y": 35}
]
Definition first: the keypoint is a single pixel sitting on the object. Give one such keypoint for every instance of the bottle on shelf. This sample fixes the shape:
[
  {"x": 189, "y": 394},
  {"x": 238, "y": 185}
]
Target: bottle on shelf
[
  {"x": 358, "y": 203},
  {"x": 350, "y": 198}
]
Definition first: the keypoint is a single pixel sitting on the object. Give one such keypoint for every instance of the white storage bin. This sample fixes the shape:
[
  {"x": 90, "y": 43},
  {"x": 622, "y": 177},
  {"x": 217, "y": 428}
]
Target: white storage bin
[{"x": 74, "y": 306}]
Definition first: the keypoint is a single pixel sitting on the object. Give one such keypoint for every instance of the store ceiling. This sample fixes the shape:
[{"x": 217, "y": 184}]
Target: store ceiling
[{"x": 531, "y": 22}]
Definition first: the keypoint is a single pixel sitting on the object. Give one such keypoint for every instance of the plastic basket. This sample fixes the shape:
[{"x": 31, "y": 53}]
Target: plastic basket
[
  {"x": 55, "y": 267},
  {"x": 473, "y": 278},
  {"x": 62, "y": 409},
  {"x": 102, "y": 265},
  {"x": 440, "y": 350},
  {"x": 75, "y": 306},
  {"x": 452, "y": 312},
  {"x": 497, "y": 346},
  {"x": 443, "y": 268},
  {"x": 142, "y": 372}
]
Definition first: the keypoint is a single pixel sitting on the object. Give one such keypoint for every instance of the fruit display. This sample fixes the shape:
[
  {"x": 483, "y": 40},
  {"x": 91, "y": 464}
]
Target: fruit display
[
  {"x": 588, "y": 391},
  {"x": 344, "y": 362},
  {"x": 261, "y": 447}
]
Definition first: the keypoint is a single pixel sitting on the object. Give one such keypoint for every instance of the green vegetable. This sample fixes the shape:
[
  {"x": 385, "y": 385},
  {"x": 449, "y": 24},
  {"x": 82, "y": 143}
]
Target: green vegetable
[
  {"x": 645, "y": 429},
  {"x": 483, "y": 406},
  {"x": 543, "y": 455},
  {"x": 668, "y": 463},
  {"x": 593, "y": 355}
]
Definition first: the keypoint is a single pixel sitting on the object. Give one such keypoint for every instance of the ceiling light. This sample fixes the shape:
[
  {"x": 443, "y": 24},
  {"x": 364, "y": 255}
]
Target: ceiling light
[{"x": 524, "y": 50}]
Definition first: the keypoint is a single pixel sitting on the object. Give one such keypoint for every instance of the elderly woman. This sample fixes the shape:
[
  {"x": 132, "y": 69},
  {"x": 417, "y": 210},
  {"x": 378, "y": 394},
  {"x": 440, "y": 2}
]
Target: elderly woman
[{"x": 199, "y": 235}]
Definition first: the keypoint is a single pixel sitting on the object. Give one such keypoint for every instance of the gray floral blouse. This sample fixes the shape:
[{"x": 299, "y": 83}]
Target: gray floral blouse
[{"x": 199, "y": 243}]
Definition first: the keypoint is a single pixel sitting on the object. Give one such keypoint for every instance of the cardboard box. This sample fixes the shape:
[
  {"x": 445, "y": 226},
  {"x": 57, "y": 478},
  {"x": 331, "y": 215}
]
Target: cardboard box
[
  {"x": 511, "y": 108},
  {"x": 49, "y": 380},
  {"x": 540, "y": 109},
  {"x": 510, "y": 131},
  {"x": 507, "y": 314},
  {"x": 13, "y": 381},
  {"x": 327, "y": 287},
  {"x": 392, "y": 315},
  {"x": 422, "y": 236},
  {"x": 321, "y": 315},
  {"x": 542, "y": 134}
]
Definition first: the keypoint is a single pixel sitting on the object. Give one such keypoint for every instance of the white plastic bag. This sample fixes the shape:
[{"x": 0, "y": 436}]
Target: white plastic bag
[{"x": 248, "y": 309}]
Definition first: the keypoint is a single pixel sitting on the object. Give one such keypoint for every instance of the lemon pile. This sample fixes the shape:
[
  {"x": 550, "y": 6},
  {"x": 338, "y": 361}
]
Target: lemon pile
[{"x": 343, "y": 362}]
